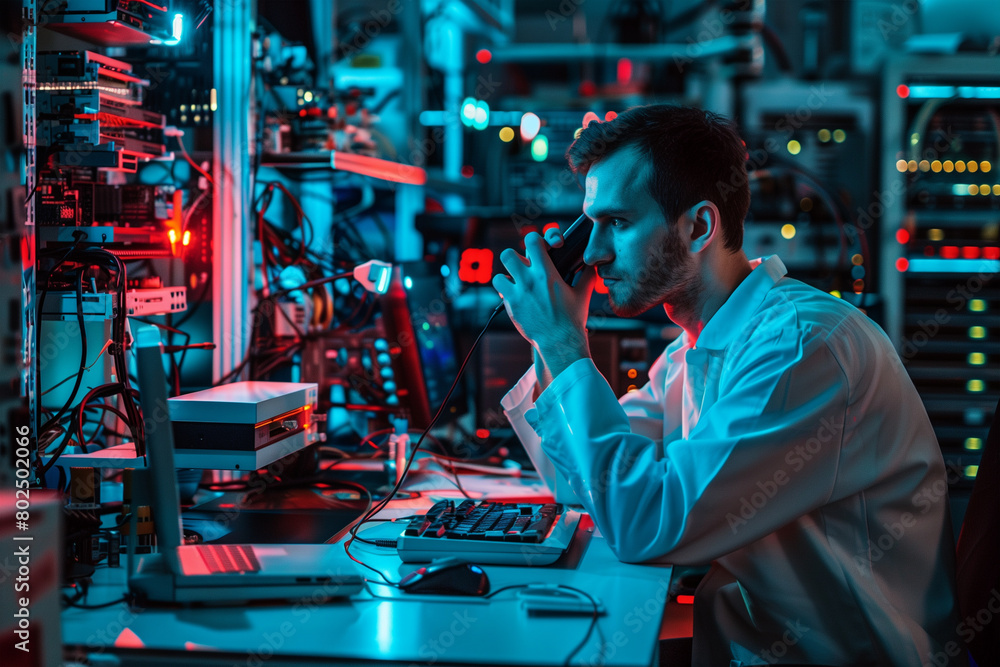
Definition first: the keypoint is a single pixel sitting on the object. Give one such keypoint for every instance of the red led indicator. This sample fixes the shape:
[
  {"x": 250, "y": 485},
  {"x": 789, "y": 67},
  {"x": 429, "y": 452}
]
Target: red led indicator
[
  {"x": 970, "y": 252},
  {"x": 468, "y": 171},
  {"x": 484, "y": 56},
  {"x": 482, "y": 433},
  {"x": 476, "y": 266},
  {"x": 991, "y": 253},
  {"x": 902, "y": 264},
  {"x": 949, "y": 251},
  {"x": 903, "y": 90},
  {"x": 685, "y": 599},
  {"x": 624, "y": 70},
  {"x": 902, "y": 236}
]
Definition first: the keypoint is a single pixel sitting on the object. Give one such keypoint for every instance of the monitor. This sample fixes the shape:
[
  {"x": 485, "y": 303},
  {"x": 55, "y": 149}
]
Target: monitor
[{"x": 417, "y": 316}]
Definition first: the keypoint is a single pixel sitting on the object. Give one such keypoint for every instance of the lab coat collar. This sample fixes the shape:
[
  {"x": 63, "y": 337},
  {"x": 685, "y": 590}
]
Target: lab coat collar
[{"x": 742, "y": 303}]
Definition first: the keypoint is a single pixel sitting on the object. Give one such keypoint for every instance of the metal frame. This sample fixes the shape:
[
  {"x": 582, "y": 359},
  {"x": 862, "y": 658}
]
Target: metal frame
[
  {"x": 232, "y": 259},
  {"x": 29, "y": 330}
]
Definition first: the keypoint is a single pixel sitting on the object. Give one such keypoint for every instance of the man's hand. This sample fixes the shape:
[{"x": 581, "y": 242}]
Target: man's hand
[{"x": 550, "y": 314}]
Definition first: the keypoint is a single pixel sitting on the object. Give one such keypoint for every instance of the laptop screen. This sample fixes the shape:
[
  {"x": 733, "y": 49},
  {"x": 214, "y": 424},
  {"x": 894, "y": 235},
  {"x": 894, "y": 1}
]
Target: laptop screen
[{"x": 164, "y": 497}]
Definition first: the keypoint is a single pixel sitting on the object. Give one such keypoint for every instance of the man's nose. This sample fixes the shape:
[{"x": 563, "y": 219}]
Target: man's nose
[{"x": 599, "y": 248}]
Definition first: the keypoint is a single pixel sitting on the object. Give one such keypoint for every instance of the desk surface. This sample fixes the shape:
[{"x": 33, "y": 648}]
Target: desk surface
[{"x": 384, "y": 624}]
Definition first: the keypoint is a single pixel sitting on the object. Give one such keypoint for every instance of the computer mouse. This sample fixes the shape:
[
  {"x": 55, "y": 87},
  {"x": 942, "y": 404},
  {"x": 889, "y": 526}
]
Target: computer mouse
[{"x": 447, "y": 576}]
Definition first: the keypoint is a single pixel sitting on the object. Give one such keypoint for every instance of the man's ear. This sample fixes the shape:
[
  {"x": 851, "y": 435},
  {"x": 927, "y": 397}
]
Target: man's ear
[{"x": 706, "y": 219}]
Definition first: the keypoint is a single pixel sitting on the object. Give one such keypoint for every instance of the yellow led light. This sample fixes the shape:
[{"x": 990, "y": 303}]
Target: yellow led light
[
  {"x": 977, "y": 332},
  {"x": 506, "y": 134},
  {"x": 996, "y": 189},
  {"x": 984, "y": 189},
  {"x": 911, "y": 165},
  {"x": 794, "y": 147},
  {"x": 835, "y": 293},
  {"x": 977, "y": 305},
  {"x": 975, "y": 386},
  {"x": 857, "y": 260},
  {"x": 977, "y": 358},
  {"x": 924, "y": 165},
  {"x": 972, "y": 166},
  {"x": 839, "y": 136},
  {"x": 985, "y": 165},
  {"x": 900, "y": 166},
  {"x": 973, "y": 444},
  {"x": 973, "y": 189},
  {"x": 936, "y": 166},
  {"x": 959, "y": 166},
  {"x": 935, "y": 234},
  {"x": 824, "y": 135},
  {"x": 788, "y": 231},
  {"x": 948, "y": 166},
  {"x": 971, "y": 471}
]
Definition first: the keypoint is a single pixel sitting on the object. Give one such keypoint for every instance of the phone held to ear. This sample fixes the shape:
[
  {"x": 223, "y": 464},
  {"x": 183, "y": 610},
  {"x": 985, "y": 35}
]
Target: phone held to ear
[{"x": 568, "y": 258}]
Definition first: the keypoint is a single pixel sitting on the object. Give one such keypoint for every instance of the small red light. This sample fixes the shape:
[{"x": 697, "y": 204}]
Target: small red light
[
  {"x": 484, "y": 56},
  {"x": 902, "y": 264},
  {"x": 685, "y": 599},
  {"x": 903, "y": 90},
  {"x": 468, "y": 171},
  {"x": 588, "y": 88},
  {"x": 476, "y": 266},
  {"x": 928, "y": 251},
  {"x": 600, "y": 287},
  {"x": 902, "y": 236},
  {"x": 624, "y": 70},
  {"x": 970, "y": 252},
  {"x": 482, "y": 433},
  {"x": 302, "y": 113},
  {"x": 611, "y": 115},
  {"x": 991, "y": 253},
  {"x": 949, "y": 251}
]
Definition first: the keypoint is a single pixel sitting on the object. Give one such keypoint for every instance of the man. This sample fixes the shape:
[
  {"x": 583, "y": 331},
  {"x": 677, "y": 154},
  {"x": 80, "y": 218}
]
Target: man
[{"x": 779, "y": 436}]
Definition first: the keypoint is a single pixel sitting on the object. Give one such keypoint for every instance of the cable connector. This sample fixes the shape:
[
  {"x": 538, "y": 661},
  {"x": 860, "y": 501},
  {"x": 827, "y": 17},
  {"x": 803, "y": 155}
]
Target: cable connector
[{"x": 374, "y": 275}]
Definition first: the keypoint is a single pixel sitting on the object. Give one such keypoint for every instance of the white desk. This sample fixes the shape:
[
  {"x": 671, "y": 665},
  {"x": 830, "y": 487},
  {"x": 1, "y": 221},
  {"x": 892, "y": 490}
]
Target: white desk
[{"x": 403, "y": 630}]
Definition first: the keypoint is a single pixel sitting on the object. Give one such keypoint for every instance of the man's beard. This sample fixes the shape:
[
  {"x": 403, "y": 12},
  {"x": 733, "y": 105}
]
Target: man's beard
[{"x": 667, "y": 277}]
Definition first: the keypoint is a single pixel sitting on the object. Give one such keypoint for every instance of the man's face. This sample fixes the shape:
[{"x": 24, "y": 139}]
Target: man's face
[{"x": 637, "y": 252}]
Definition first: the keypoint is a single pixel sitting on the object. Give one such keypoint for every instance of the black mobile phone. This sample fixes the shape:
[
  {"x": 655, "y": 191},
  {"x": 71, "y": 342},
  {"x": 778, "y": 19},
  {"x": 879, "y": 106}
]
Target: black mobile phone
[{"x": 568, "y": 258}]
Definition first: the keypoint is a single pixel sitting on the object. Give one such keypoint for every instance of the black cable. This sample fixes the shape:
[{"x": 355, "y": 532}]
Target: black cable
[
  {"x": 444, "y": 402},
  {"x": 593, "y": 617}
]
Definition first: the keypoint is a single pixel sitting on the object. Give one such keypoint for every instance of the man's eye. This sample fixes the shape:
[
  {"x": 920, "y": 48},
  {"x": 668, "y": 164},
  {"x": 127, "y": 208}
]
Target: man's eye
[{"x": 617, "y": 222}]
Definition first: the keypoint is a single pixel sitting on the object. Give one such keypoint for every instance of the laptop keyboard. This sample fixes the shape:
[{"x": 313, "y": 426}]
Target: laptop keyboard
[{"x": 229, "y": 558}]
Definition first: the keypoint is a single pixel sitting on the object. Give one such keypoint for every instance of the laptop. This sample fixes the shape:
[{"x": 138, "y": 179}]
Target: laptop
[{"x": 215, "y": 573}]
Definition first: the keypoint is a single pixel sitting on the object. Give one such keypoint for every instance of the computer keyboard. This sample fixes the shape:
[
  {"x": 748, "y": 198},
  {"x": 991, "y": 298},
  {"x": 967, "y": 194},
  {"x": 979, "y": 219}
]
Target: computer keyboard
[{"x": 489, "y": 533}]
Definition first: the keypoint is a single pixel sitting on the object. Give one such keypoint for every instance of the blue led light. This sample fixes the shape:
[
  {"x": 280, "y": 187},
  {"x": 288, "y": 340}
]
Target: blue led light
[{"x": 934, "y": 265}]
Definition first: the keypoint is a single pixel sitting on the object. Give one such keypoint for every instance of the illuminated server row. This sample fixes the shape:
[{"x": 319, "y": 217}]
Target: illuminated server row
[{"x": 940, "y": 197}]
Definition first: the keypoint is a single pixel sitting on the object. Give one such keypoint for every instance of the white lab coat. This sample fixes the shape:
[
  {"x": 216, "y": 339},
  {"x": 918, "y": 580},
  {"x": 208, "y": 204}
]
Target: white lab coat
[{"x": 791, "y": 450}]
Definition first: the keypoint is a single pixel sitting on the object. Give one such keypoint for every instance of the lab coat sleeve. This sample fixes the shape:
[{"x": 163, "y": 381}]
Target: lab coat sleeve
[
  {"x": 778, "y": 420},
  {"x": 644, "y": 408}
]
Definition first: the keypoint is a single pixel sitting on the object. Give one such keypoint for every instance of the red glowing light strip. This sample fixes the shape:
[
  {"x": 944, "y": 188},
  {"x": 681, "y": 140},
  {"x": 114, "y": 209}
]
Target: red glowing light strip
[
  {"x": 150, "y": 4},
  {"x": 115, "y": 121},
  {"x": 949, "y": 251},
  {"x": 685, "y": 599},
  {"x": 991, "y": 253},
  {"x": 377, "y": 168},
  {"x": 970, "y": 252}
]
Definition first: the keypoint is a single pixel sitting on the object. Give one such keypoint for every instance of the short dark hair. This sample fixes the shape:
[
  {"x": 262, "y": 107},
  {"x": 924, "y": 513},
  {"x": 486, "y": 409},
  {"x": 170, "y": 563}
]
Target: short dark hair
[{"x": 695, "y": 155}]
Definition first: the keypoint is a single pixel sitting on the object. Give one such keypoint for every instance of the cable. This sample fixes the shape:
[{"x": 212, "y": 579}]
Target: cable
[
  {"x": 180, "y": 142},
  {"x": 444, "y": 402}
]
